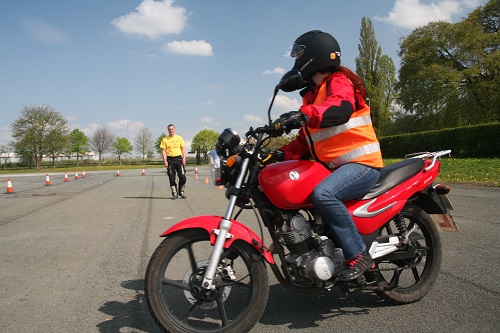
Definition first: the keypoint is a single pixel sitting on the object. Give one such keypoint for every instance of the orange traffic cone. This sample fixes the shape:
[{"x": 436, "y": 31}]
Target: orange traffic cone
[
  {"x": 47, "y": 180},
  {"x": 66, "y": 177},
  {"x": 196, "y": 176},
  {"x": 143, "y": 172},
  {"x": 196, "y": 170},
  {"x": 118, "y": 173},
  {"x": 206, "y": 180},
  {"x": 76, "y": 175},
  {"x": 9, "y": 187},
  {"x": 220, "y": 187},
  {"x": 83, "y": 174}
]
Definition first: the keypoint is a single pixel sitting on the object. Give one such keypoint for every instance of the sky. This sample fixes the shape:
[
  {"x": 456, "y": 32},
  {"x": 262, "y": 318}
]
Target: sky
[{"x": 130, "y": 64}]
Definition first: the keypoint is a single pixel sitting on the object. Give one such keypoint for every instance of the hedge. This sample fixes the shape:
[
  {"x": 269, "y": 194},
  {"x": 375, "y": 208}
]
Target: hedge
[{"x": 469, "y": 141}]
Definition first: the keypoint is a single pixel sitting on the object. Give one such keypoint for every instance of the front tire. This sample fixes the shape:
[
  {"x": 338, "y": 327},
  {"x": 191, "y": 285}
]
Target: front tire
[
  {"x": 407, "y": 281},
  {"x": 176, "y": 299}
]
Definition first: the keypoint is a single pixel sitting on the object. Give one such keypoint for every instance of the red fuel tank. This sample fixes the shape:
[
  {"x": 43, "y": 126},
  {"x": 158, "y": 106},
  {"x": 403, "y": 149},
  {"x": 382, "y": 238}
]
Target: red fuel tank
[{"x": 289, "y": 184}]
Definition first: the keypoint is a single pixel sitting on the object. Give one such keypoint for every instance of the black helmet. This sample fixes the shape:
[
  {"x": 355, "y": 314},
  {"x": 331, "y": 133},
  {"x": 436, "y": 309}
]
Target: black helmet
[{"x": 314, "y": 51}]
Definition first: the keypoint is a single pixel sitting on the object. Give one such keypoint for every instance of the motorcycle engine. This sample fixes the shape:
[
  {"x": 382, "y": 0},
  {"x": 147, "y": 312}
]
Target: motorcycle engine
[{"x": 312, "y": 257}]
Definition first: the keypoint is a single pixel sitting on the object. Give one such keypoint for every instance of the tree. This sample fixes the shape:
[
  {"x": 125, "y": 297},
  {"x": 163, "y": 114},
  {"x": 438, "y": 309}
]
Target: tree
[
  {"x": 38, "y": 131},
  {"x": 450, "y": 73},
  {"x": 122, "y": 146},
  {"x": 378, "y": 73},
  {"x": 102, "y": 141},
  {"x": 78, "y": 144},
  {"x": 205, "y": 141},
  {"x": 4, "y": 155},
  {"x": 144, "y": 142},
  {"x": 57, "y": 144},
  {"x": 158, "y": 142}
]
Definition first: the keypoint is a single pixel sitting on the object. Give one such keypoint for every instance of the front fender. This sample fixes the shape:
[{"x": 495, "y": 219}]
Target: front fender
[{"x": 238, "y": 230}]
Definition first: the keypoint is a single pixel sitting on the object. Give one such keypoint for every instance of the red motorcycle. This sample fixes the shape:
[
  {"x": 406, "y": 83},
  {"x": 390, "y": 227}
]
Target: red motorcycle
[{"x": 209, "y": 273}]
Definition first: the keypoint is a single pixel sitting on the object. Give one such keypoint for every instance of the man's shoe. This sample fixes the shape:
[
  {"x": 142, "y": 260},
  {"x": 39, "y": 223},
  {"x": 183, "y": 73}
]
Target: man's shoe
[
  {"x": 182, "y": 194},
  {"x": 174, "y": 192},
  {"x": 354, "y": 268}
]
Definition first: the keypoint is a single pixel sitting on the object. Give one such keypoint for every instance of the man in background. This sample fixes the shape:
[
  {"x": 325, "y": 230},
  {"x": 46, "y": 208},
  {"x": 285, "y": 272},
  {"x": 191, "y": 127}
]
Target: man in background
[{"x": 174, "y": 157}]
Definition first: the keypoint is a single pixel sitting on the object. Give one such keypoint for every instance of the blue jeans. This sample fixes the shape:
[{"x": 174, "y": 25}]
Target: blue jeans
[{"x": 348, "y": 182}]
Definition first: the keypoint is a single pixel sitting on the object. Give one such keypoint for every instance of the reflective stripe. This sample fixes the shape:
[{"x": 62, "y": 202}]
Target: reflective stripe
[
  {"x": 335, "y": 130},
  {"x": 353, "y": 154}
]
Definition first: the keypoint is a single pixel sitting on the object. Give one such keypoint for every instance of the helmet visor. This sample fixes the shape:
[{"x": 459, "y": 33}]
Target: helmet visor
[{"x": 295, "y": 51}]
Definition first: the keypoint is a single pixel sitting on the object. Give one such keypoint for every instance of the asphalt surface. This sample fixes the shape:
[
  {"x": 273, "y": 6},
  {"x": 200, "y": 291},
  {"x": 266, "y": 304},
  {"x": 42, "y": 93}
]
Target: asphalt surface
[{"x": 73, "y": 257}]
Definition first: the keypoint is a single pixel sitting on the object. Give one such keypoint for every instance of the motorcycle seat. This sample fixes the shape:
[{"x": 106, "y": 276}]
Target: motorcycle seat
[{"x": 395, "y": 174}]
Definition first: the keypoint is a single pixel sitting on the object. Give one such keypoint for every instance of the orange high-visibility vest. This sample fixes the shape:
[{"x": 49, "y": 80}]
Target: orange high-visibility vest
[{"x": 354, "y": 141}]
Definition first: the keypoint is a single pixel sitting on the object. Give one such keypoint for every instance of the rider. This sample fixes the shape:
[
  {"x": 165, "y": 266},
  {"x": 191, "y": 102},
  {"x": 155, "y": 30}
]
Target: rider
[{"x": 336, "y": 129}]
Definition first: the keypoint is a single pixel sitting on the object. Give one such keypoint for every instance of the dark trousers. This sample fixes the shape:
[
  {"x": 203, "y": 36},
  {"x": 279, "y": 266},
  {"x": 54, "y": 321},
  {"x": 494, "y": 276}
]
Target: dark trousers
[{"x": 175, "y": 167}]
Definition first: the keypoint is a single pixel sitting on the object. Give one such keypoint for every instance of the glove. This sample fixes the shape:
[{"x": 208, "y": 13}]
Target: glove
[
  {"x": 289, "y": 121},
  {"x": 276, "y": 156}
]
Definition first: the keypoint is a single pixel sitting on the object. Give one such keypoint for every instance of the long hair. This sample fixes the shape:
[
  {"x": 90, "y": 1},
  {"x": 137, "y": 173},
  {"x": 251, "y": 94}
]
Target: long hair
[{"x": 355, "y": 79}]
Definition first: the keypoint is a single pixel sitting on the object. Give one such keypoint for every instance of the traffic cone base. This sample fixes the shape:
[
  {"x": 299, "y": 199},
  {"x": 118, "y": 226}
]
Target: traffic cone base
[
  {"x": 66, "y": 177},
  {"x": 10, "y": 190}
]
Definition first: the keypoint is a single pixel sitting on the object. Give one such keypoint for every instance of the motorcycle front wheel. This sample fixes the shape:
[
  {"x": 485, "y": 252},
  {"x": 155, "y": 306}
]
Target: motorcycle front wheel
[
  {"x": 408, "y": 280},
  {"x": 176, "y": 299}
]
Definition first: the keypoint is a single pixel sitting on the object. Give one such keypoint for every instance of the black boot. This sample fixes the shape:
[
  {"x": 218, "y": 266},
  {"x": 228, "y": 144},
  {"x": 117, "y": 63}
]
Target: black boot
[
  {"x": 174, "y": 192},
  {"x": 354, "y": 268},
  {"x": 181, "y": 192}
]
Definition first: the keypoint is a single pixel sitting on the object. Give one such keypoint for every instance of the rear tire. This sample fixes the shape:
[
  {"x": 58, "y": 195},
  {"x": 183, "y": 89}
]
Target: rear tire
[
  {"x": 173, "y": 285},
  {"x": 417, "y": 276}
]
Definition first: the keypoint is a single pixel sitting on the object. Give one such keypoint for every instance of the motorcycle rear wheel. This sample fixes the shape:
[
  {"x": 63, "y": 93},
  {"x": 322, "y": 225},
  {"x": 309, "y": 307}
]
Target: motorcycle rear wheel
[
  {"x": 407, "y": 281},
  {"x": 173, "y": 285}
]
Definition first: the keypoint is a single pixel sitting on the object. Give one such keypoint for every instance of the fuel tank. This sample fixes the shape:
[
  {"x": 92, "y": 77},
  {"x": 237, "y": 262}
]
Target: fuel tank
[{"x": 289, "y": 184}]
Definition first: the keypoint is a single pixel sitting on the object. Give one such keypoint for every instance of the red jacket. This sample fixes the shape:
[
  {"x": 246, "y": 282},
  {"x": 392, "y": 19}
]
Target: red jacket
[{"x": 339, "y": 128}]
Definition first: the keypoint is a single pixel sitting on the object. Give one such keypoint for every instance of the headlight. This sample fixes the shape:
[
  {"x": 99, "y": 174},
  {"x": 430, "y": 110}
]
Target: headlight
[
  {"x": 215, "y": 173},
  {"x": 228, "y": 143}
]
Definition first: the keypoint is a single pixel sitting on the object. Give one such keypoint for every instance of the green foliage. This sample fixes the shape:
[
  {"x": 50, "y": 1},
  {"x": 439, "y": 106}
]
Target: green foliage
[
  {"x": 39, "y": 131},
  {"x": 205, "y": 141},
  {"x": 78, "y": 144},
  {"x": 122, "y": 146},
  {"x": 158, "y": 142},
  {"x": 450, "y": 73},
  {"x": 378, "y": 73},
  {"x": 469, "y": 141}
]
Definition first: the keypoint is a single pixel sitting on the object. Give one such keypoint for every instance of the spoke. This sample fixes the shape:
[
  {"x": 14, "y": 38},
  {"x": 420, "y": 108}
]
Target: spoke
[
  {"x": 190, "y": 312},
  {"x": 222, "y": 310},
  {"x": 416, "y": 275},
  {"x": 192, "y": 259},
  {"x": 174, "y": 283},
  {"x": 228, "y": 282}
]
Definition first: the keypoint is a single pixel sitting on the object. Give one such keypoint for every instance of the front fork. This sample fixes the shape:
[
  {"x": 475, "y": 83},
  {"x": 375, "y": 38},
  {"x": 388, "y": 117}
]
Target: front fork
[{"x": 223, "y": 232}]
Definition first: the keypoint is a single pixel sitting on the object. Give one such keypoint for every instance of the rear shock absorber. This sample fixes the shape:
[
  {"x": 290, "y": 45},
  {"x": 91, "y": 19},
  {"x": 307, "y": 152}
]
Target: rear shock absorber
[{"x": 400, "y": 223}]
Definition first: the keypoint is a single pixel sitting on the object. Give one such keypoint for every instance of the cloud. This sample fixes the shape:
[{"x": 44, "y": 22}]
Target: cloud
[
  {"x": 44, "y": 32},
  {"x": 287, "y": 104},
  {"x": 277, "y": 70},
  {"x": 250, "y": 118},
  {"x": 194, "y": 47},
  {"x": 153, "y": 19},
  {"x": 207, "y": 120},
  {"x": 126, "y": 124},
  {"x": 410, "y": 14},
  {"x": 208, "y": 103}
]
